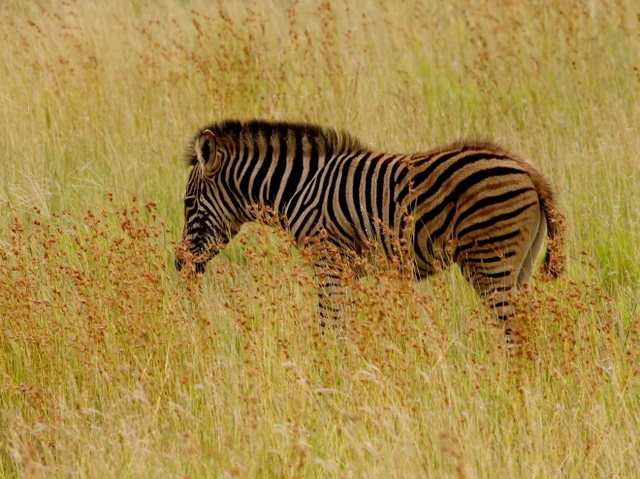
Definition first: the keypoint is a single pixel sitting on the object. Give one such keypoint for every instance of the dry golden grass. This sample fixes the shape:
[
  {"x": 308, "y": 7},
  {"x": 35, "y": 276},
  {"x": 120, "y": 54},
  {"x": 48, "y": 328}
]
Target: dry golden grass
[{"x": 112, "y": 365}]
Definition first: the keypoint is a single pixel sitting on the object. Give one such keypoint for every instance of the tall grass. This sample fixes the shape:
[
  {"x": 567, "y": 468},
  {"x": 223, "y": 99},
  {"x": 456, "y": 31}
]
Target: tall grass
[{"x": 111, "y": 364}]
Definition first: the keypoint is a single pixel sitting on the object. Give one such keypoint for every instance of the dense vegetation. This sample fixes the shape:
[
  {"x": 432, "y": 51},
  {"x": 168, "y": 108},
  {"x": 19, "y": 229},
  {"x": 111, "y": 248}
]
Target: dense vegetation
[{"x": 112, "y": 365}]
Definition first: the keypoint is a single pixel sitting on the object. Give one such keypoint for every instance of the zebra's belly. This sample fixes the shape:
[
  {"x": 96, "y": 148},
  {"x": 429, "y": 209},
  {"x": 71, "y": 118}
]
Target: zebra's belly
[{"x": 390, "y": 247}]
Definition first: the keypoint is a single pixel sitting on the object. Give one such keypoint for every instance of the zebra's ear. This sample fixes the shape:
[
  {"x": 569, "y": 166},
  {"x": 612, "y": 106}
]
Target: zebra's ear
[{"x": 208, "y": 155}]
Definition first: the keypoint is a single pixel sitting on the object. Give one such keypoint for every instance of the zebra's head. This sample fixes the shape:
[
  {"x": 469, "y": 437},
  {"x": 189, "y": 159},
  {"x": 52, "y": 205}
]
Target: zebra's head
[{"x": 208, "y": 223}]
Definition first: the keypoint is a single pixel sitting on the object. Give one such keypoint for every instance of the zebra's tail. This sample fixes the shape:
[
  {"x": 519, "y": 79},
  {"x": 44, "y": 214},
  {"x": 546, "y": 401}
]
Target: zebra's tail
[{"x": 553, "y": 264}]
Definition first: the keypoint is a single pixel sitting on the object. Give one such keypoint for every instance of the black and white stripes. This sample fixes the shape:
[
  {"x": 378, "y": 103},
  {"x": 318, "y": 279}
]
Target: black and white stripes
[{"x": 471, "y": 203}]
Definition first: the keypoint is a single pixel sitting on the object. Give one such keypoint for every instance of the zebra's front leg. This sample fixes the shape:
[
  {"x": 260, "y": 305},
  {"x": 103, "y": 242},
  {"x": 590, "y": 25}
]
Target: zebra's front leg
[{"x": 330, "y": 276}]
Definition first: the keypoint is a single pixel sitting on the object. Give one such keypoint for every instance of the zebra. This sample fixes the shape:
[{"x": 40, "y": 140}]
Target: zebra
[{"x": 471, "y": 202}]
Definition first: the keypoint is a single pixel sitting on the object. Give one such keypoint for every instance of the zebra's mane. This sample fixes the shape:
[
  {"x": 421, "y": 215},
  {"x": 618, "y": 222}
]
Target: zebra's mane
[{"x": 235, "y": 130}]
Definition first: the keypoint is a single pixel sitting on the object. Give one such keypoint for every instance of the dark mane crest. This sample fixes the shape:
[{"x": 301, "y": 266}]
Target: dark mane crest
[{"x": 235, "y": 130}]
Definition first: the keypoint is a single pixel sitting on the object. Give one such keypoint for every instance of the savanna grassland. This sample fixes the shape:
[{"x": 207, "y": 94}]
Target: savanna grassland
[{"x": 112, "y": 365}]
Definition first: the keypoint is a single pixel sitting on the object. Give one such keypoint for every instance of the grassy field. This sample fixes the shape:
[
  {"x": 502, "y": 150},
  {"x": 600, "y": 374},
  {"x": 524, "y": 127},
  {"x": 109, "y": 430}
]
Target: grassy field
[{"x": 111, "y": 365}]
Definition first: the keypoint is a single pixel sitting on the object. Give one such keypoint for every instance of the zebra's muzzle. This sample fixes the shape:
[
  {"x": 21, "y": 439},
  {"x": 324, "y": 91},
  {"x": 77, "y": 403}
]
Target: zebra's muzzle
[
  {"x": 197, "y": 267},
  {"x": 185, "y": 259}
]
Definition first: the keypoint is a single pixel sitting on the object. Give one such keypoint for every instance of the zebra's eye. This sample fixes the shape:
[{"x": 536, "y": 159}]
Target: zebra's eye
[{"x": 189, "y": 202}]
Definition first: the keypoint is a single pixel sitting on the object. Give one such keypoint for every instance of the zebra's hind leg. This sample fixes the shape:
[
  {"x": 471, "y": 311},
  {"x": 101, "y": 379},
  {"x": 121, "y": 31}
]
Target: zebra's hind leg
[
  {"x": 329, "y": 270},
  {"x": 495, "y": 278},
  {"x": 500, "y": 263}
]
